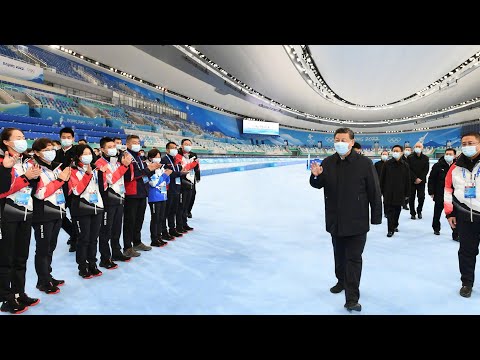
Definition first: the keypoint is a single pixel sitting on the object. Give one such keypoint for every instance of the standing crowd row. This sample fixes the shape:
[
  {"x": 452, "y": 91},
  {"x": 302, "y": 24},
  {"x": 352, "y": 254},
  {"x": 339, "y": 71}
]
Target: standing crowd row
[{"x": 102, "y": 192}]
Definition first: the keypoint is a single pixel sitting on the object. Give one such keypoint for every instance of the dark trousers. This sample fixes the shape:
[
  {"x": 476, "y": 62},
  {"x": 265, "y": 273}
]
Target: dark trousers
[
  {"x": 46, "y": 235},
  {"x": 348, "y": 263},
  {"x": 185, "y": 205},
  {"x": 157, "y": 219},
  {"x": 437, "y": 213},
  {"x": 134, "y": 213},
  {"x": 393, "y": 214},
  {"x": 469, "y": 234},
  {"x": 68, "y": 227},
  {"x": 110, "y": 232},
  {"x": 192, "y": 201},
  {"x": 419, "y": 190},
  {"x": 173, "y": 214},
  {"x": 14, "y": 248},
  {"x": 88, "y": 228}
]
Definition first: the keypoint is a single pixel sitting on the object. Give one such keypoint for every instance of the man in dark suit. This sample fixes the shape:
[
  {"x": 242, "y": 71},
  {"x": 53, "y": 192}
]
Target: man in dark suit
[
  {"x": 436, "y": 188},
  {"x": 350, "y": 186},
  {"x": 395, "y": 186},
  {"x": 65, "y": 156}
]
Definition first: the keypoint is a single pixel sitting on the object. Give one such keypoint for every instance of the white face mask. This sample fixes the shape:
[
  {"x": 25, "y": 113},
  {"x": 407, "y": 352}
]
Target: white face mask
[
  {"x": 448, "y": 158},
  {"x": 341, "y": 147},
  {"x": 173, "y": 152},
  {"x": 86, "y": 159},
  {"x": 407, "y": 152},
  {"x": 384, "y": 157},
  {"x": 156, "y": 160},
  {"x": 469, "y": 151},
  {"x": 20, "y": 145},
  {"x": 66, "y": 142},
  {"x": 136, "y": 147},
  {"x": 112, "y": 152},
  {"x": 418, "y": 150},
  {"x": 49, "y": 155},
  {"x": 187, "y": 148},
  {"x": 396, "y": 155},
  {"x": 118, "y": 146}
]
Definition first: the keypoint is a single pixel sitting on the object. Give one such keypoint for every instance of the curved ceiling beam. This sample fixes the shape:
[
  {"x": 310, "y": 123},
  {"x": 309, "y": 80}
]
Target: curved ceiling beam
[{"x": 303, "y": 61}]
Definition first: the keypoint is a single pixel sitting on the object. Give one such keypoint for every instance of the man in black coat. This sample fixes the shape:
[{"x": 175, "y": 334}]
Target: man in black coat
[
  {"x": 406, "y": 154},
  {"x": 436, "y": 188},
  {"x": 379, "y": 164},
  {"x": 188, "y": 183},
  {"x": 350, "y": 185},
  {"x": 419, "y": 166},
  {"x": 64, "y": 156},
  {"x": 395, "y": 185}
]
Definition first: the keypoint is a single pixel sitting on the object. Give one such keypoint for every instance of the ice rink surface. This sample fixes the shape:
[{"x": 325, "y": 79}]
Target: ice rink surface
[{"x": 260, "y": 247}]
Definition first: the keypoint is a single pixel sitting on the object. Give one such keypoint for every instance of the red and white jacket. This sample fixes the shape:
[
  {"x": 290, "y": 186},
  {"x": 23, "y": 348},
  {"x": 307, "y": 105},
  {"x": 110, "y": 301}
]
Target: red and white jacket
[
  {"x": 454, "y": 197},
  {"x": 113, "y": 176},
  {"x": 84, "y": 185},
  {"x": 49, "y": 186},
  {"x": 19, "y": 182}
]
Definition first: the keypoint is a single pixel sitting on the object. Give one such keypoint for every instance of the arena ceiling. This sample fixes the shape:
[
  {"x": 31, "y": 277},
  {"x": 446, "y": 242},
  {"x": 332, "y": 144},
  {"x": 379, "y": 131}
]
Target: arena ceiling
[{"x": 370, "y": 83}]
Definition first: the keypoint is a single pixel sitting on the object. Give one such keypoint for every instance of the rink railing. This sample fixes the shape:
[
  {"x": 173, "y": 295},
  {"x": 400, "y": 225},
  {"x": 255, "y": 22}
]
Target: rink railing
[{"x": 260, "y": 164}]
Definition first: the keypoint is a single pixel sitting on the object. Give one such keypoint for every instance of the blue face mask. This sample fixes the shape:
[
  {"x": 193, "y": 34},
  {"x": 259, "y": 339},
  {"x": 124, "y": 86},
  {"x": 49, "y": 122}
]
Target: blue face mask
[
  {"x": 341, "y": 148},
  {"x": 384, "y": 157},
  {"x": 418, "y": 150},
  {"x": 469, "y": 151}
]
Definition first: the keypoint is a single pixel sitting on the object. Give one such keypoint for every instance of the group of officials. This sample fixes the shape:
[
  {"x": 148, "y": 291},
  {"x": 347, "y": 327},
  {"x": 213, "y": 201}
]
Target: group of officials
[
  {"x": 352, "y": 185},
  {"x": 104, "y": 193}
]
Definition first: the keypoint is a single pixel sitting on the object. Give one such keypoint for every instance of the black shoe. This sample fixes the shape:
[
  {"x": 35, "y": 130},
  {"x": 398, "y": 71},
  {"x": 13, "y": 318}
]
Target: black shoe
[
  {"x": 85, "y": 273},
  {"x": 406, "y": 208},
  {"x": 419, "y": 215},
  {"x": 57, "y": 283},
  {"x": 350, "y": 306},
  {"x": 163, "y": 243},
  {"x": 189, "y": 215},
  {"x": 94, "y": 270},
  {"x": 466, "y": 291},
  {"x": 181, "y": 230},
  {"x": 108, "y": 264},
  {"x": 121, "y": 257},
  {"x": 436, "y": 232},
  {"x": 396, "y": 229},
  {"x": 13, "y": 307},
  {"x": 155, "y": 243},
  {"x": 48, "y": 289},
  {"x": 167, "y": 236},
  {"x": 338, "y": 288},
  {"x": 69, "y": 241},
  {"x": 455, "y": 236},
  {"x": 26, "y": 301},
  {"x": 188, "y": 228},
  {"x": 73, "y": 247},
  {"x": 175, "y": 233},
  {"x": 413, "y": 217},
  {"x": 390, "y": 234}
]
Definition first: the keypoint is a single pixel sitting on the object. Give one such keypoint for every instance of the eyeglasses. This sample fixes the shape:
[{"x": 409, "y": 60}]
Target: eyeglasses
[{"x": 470, "y": 144}]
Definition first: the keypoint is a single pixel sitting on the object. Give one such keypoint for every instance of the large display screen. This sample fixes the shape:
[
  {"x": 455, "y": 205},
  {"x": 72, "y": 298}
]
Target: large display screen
[{"x": 260, "y": 127}]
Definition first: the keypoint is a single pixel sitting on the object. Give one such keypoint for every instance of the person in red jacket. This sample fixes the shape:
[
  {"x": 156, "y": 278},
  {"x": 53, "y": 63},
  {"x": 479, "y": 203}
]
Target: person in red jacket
[
  {"x": 48, "y": 212},
  {"x": 136, "y": 192},
  {"x": 87, "y": 210},
  {"x": 16, "y": 225},
  {"x": 112, "y": 189}
]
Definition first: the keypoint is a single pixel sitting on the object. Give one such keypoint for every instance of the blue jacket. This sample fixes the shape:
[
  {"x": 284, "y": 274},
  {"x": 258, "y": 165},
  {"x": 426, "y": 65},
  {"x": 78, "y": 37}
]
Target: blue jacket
[{"x": 156, "y": 183}]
